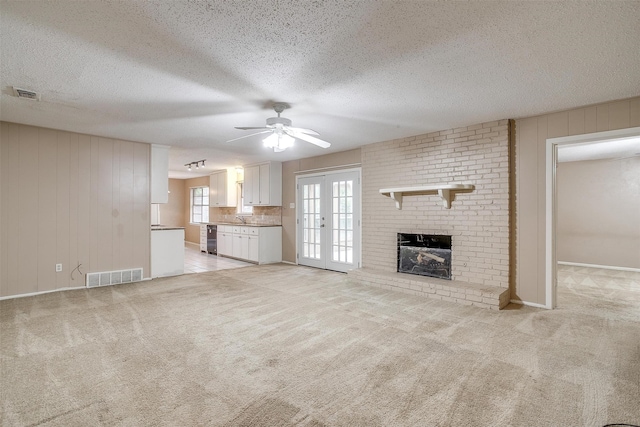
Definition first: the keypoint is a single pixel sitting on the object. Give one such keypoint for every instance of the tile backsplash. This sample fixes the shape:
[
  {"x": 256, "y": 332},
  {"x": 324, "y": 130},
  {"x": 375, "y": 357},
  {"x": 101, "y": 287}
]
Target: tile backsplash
[{"x": 262, "y": 215}]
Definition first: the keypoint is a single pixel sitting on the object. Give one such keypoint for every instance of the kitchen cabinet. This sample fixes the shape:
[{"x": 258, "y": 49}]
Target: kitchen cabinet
[
  {"x": 261, "y": 245},
  {"x": 225, "y": 242},
  {"x": 223, "y": 188},
  {"x": 263, "y": 184},
  {"x": 253, "y": 248},
  {"x": 203, "y": 238},
  {"x": 240, "y": 246},
  {"x": 159, "y": 174},
  {"x": 251, "y": 180}
]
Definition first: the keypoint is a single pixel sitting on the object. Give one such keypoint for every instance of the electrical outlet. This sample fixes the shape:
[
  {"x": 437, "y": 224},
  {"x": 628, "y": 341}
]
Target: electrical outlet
[{"x": 58, "y": 268}]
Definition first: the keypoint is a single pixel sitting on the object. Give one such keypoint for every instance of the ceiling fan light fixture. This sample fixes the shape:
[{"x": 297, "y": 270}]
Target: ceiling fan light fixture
[
  {"x": 271, "y": 141},
  {"x": 281, "y": 134},
  {"x": 285, "y": 141},
  {"x": 278, "y": 141}
]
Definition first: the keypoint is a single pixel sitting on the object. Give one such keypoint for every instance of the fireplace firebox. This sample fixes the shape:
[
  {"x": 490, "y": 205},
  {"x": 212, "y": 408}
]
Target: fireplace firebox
[{"x": 425, "y": 255}]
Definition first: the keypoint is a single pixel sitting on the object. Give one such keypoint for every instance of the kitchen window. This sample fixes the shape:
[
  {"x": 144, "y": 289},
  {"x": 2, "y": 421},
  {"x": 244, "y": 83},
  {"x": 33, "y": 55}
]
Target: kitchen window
[{"x": 199, "y": 204}]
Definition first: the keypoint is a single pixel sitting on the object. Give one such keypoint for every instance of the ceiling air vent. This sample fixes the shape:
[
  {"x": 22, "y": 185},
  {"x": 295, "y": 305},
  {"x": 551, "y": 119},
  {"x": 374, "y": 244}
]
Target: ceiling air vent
[{"x": 27, "y": 94}]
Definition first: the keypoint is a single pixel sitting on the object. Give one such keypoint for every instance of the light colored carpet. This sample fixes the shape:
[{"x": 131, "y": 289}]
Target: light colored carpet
[{"x": 282, "y": 345}]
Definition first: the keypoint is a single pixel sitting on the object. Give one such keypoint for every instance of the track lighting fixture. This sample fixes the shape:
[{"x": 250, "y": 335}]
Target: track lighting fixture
[{"x": 198, "y": 164}]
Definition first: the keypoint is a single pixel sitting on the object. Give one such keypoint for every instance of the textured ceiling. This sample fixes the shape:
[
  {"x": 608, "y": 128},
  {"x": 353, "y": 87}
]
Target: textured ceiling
[{"x": 185, "y": 73}]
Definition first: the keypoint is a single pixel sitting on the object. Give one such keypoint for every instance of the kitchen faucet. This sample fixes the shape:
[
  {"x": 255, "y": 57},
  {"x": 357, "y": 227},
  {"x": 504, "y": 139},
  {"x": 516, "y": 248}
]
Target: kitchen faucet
[{"x": 241, "y": 218}]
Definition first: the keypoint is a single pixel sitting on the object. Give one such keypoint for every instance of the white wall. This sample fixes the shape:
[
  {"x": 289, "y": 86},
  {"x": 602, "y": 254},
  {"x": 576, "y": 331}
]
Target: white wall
[{"x": 598, "y": 209}]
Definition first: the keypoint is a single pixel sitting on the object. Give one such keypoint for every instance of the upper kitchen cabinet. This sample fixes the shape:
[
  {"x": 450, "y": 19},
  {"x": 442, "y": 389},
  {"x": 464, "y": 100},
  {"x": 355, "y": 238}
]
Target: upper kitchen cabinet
[
  {"x": 223, "y": 188},
  {"x": 263, "y": 184},
  {"x": 159, "y": 173}
]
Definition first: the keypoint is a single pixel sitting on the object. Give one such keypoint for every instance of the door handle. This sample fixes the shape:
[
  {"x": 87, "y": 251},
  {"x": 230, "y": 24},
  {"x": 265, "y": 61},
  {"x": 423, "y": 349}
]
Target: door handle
[{"x": 322, "y": 226}]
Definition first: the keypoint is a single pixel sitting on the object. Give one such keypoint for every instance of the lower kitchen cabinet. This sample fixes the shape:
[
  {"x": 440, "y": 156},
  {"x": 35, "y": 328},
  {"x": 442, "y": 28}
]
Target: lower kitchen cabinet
[
  {"x": 253, "y": 248},
  {"x": 225, "y": 242},
  {"x": 240, "y": 247},
  {"x": 261, "y": 245}
]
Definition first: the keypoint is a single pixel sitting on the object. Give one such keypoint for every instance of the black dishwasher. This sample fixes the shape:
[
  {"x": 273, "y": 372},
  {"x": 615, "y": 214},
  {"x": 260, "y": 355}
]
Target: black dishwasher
[{"x": 212, "y": 239}]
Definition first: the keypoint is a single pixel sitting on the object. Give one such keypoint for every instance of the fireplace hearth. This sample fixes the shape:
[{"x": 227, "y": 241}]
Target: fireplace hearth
[{"x": 424, "y": 255}]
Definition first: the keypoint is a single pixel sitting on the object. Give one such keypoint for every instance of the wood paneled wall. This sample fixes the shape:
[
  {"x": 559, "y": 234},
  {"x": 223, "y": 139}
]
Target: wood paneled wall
[
  {"x": 69, "y": 199},
  {"x": 531, "y": 135}
]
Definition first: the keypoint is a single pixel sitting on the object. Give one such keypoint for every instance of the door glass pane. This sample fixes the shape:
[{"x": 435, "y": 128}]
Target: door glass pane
[
  {"x": 311, "y": 229},
  {"x": 342, "y": 224}
]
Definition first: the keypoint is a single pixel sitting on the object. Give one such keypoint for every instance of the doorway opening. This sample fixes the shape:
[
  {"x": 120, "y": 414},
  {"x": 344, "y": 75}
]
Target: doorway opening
[{"x": 594, "y": 146}]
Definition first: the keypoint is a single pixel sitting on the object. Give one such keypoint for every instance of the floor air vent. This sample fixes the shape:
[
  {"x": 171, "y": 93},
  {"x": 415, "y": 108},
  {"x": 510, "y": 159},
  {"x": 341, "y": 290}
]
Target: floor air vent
[{"x": 106, "y": 278}]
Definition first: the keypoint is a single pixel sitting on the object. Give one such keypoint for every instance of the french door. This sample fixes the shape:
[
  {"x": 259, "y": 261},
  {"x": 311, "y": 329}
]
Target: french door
[{"x": 328, "y": 221}]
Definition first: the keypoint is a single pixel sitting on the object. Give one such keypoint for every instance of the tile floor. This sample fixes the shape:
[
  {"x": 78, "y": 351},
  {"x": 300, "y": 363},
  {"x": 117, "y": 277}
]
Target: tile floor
[{"x": 200, "y": 262}]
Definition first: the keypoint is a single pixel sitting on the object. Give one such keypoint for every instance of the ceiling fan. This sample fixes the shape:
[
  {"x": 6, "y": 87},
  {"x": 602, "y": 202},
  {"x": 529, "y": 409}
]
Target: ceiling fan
[{"x": 282, "y": 134}]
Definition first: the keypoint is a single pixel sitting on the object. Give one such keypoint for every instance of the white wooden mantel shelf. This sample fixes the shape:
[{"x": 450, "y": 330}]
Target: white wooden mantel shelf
[{"x": 443, "y": 190}]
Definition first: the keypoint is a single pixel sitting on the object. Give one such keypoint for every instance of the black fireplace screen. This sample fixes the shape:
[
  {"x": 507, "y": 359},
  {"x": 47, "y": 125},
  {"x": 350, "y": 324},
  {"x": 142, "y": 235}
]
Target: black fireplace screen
[{"x": 425, "y": 255}]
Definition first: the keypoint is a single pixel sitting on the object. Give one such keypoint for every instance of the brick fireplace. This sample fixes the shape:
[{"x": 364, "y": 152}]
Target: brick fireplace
[{"x": 477, "y": 220}]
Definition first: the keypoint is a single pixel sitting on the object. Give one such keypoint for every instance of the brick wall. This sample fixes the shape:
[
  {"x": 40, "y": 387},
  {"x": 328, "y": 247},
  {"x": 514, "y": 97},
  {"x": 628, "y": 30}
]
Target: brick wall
[{"x": 477, "y": 221}]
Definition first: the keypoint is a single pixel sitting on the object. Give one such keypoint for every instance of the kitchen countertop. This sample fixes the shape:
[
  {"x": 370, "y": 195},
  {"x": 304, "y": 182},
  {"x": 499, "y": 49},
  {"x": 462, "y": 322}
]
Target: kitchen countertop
[
  {"x": 164, "y": 227},
  {"x": 245, "y": 225}
]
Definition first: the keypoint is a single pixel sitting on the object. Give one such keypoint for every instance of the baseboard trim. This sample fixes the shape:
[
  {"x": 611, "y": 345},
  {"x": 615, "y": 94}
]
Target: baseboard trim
[
  {"x": 529, "y": 304},
  {"x": 606, "y": 267},
  {"x": 289, "y": 262},
  {"x": 32, "y": 294}
]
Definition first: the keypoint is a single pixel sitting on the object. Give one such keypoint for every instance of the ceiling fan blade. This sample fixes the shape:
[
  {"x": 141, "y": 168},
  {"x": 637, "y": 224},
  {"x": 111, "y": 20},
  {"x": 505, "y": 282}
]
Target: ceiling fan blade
[
  {"x": 249, "y": 128},
  {"x": 308, "y": 138},
  {"x": 303, "y": 130},
  {"x": 251, "y": 134}
]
